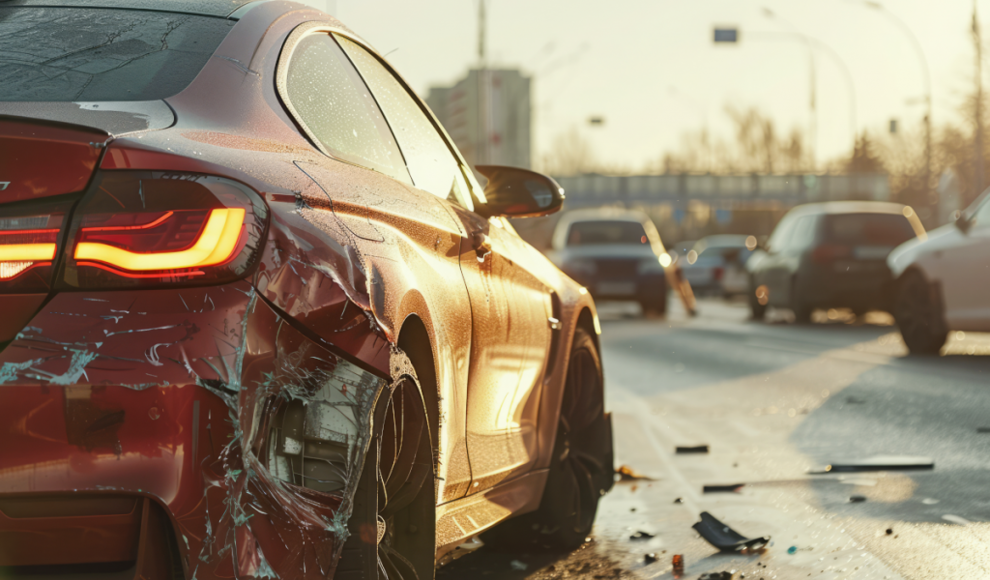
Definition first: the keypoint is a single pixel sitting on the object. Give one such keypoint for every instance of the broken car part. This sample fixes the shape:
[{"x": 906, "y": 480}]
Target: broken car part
[{"x": 725, "y": 538}]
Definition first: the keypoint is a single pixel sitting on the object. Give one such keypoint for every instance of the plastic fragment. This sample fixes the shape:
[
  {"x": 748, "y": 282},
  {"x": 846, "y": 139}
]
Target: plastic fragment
[
  {"x": 650, "y": 558},
  {"x": 678, "y": 500},
  {"x": 730, "y": 488},
  {"x": 695, "y": 449},
  {"x": 725, "y": 538},
  {"x": 983, "y": 429},
  {"x": 877, "y": 463},
  {"x": 718, "y": 576},
  {"x": 792, "y": 550},
  {"x": 677, "y": 561},
  {"x": 856, "y": 499},
  {"x": 641, "y": 535},
  {"x": 517, "y": 565},
  {"x": 627, "y": 473}
]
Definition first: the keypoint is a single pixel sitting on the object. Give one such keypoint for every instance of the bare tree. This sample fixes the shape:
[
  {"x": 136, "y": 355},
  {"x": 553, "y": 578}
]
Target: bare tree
[{"x": 571, "y": 154}]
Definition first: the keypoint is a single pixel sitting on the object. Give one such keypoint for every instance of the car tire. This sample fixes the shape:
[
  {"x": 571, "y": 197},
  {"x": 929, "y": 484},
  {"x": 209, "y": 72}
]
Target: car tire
[
  {"x": 654, "y": 308},
  {"x": 801, "y": 309},
  {"x": 392, "y": 529},
  {"x": 759, "y": 311},
  {"x": 918, "y": 313},
  {"x": 581, "y": 468}
]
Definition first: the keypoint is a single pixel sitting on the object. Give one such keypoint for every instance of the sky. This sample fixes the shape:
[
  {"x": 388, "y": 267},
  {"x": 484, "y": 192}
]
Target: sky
[{"x": 651, "y": 70}]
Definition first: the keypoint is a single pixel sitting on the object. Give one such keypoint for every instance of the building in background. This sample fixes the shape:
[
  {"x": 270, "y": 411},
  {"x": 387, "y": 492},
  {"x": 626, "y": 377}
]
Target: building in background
[{"x": 488, "y": 115}]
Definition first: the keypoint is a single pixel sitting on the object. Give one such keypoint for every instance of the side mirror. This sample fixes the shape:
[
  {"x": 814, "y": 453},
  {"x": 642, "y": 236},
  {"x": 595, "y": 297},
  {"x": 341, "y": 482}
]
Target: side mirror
[
  {"x": 515, "y": 192},
  {"x": 962, "y": 222}
]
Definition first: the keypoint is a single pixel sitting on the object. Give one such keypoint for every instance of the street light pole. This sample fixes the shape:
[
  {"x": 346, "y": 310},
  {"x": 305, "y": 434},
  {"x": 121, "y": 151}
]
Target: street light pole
[
  {"x": 813, "y": 108},
  {"x": 927, "y": 80}
]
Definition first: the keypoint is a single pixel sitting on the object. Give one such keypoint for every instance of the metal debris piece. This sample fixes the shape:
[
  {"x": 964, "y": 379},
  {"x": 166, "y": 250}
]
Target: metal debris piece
[
  {"x": 725, "y": 538},
  {"x": 627, "y": 473},
  {"x": 877, "y": 463},
  {"x": 681, "y": 449},
  {"x": 732, "y": 487},
  {"x": 641, "y": 535}
]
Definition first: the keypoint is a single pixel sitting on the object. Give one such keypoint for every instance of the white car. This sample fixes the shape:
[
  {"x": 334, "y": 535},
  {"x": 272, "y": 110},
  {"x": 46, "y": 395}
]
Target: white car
[{"x": 942, "y": 280}]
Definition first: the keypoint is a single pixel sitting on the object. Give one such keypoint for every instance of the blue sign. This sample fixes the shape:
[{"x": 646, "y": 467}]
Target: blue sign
[
  {"x": 678, "y": 215},
  {"x": 723, "y": 216}
]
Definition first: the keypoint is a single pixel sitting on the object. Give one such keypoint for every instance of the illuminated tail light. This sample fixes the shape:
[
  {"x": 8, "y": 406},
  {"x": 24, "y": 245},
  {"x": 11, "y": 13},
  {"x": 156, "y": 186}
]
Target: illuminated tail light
[
  {"x": 828, "y": 253},
  {"x": 156, "y": 228},
  {"x": 29, "y": 238},
  {"x": 717, "y": 274}
]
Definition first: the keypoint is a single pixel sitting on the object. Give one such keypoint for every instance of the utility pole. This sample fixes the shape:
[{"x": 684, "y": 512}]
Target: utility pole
[{"x": 979, "y": 178}]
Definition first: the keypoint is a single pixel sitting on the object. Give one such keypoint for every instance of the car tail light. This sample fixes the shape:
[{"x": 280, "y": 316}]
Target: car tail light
[
  {"x": 29, "y": 242},
  {"x": 828, "y": 253},
  {"x": 158, "y": 228},
  {"x": 717, "y": 274}
]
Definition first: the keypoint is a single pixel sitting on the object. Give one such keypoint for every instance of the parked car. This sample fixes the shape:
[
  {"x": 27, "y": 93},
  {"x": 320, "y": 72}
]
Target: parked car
[
  {"x": 257, "y": 318},
  {"x": 616, "y": 254},
  {"x": 830, "y": 255},
  {"x": 716, "y": 264},
  {"x": 941, "y": 281}
]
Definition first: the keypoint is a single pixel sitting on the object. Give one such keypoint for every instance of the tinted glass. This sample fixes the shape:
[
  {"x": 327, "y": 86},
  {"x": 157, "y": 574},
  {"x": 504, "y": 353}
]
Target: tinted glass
[
  {"x": 868, "y": 229},
  {"x": 81, "y": 54},
  {"x": 335, "y": 105},
  {"x": 606, "y": 232},
  {"x": 803, "y": 234},
  {"x": 432, "y": 166},
  {"x": 781, "y": 234}
]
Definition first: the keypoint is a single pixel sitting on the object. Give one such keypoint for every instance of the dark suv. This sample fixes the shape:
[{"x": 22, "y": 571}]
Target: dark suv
[{"x": 830, "y": 255}]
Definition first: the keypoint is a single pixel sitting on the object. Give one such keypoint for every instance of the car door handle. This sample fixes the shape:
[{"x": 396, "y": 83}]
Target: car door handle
[{"x": 482, "y": 244}]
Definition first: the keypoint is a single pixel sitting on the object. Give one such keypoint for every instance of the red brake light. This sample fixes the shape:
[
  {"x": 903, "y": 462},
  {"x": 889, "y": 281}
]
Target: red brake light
[
  {"x": 154, "y": 228},
  {"x": 29, "y": 237},
  {"x": 828, "y": 253},
  {"x": 717, "y": 274}
]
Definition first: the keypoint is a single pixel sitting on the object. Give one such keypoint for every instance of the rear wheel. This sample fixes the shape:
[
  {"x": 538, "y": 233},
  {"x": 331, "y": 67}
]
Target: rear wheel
[
  {"x": 801, "y": 309},
  {"x": 919, "y": 315},
  {"x": 581, "y": 469},
  {"x": 392, "y": 527}
]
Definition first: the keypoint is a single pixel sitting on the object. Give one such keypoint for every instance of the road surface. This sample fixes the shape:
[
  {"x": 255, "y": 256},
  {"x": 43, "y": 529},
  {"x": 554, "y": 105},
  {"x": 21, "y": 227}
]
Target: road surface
[{"x": 772, "y": 401}]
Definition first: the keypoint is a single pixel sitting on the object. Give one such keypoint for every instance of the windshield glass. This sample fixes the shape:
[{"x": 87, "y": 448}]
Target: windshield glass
[
  {"x": 606, "y": 233},
  {"x": 870, "y": 229},
  {"x": 85, "y": 54}
]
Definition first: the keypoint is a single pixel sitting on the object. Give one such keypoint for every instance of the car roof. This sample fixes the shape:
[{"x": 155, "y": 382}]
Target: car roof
[
  {"x": 723, "y": 240},
  {"x": 610, "y": 214},
  {"x": 221, "y": 8},
  {"x": 839, "y": 207}
]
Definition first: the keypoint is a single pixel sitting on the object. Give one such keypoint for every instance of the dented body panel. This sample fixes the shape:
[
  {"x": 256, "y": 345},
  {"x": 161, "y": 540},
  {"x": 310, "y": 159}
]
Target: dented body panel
[{"x": 169, "y": 397}]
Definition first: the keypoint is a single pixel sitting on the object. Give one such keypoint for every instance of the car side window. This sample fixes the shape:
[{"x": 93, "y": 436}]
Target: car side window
[
  {"x": 781, "y": 234},
  {"x": 432, "y": 165},
  {"x": 803, "y": 234},
  {"x": 337, "y": 109}
]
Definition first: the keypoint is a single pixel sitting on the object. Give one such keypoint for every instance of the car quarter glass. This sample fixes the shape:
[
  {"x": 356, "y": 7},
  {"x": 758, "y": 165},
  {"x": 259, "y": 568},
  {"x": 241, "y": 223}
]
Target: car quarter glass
[
  {"x": 428, "y": 157},
  {"x": 334, "y": 105}
]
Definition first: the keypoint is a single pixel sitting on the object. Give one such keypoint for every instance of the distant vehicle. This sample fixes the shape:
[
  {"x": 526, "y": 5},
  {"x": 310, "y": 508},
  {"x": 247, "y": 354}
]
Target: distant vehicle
[
  {"x": 830, "y": 255},
  {"x": 616, "y": 254},
  {"x": 717, "y": 264},
  {"x": 942, "y": 281}
]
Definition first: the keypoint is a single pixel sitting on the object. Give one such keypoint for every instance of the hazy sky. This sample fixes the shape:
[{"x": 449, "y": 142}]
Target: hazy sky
[{"x": 649, "y": 67}]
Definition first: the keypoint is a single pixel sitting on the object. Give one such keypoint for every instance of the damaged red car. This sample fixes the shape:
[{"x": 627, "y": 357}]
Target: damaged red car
[{"x": 258, "y": 319}]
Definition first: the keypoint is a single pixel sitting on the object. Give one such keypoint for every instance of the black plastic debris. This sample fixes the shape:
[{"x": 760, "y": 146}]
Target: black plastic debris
[
  {"x": 983, "y": 429},
  {"x": 650, "y": 558},
  {"x": 730, "y": 488},
  {"x": 678, "y": 500},
  {"x": 857, "y": 499},
  {"x": 717, "y": 576},
  {"x": 878, "y": 463},
  {"x": 641, "y": 535},
  {"x": 855, "y": 401},
  {"x": 680, "y": 449},
  {"x": 725, "y": 538}
]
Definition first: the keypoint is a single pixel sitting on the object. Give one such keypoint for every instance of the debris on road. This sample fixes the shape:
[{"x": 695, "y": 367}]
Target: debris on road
[
  {"x": 792, "y": 550},
  {"x": 680, "y": 449},
  {"x": 650, "y": 558},
  {"x": 678, "y": 563},
  {"x": 717, "y": 576},
  {"x": 956, "y": 519},
  {"x": 730, "y": 488},
  {"x": 627, "y": 473},
  {"x": 725, "y": 538},
  {"x": 877, "y": 463},
  {"x": 983, "y": 429},
  {"x": 857, "y": 498},
  {"x": 641, "y": 535},
  {"x": 678, "y": 500},
  {"x": 517, "y": 565}
]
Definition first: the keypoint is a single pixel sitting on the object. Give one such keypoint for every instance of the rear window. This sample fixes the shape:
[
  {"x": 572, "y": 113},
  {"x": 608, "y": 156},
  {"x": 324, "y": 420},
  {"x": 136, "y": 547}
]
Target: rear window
[
  {"x": 868, "y": 229},
  {"x": 606, "y": 232},
  {"x": 90, "y": 54}
]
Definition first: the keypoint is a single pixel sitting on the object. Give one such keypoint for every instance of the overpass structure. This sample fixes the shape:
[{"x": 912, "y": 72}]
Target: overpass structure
[{"x": 722, "y": 191}]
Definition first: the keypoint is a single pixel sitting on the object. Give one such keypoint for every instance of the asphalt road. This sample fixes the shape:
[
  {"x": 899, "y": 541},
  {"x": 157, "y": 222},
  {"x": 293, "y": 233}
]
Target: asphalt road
[{"x": 772, "y": 401}]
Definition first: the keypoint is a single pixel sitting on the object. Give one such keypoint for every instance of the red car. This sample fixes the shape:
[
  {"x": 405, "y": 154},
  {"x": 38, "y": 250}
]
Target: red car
[{"x": 257, "y": 317}]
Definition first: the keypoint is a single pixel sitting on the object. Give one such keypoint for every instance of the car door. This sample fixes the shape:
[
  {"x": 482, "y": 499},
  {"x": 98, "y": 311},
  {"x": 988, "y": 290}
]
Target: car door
[
  {"x": 404, "y": 239},
  {"x": 772, "y": 271},
  {"x": 510, "y": 307},
  {"x": 965, "y": 273}
]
